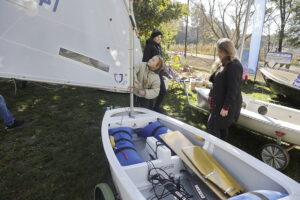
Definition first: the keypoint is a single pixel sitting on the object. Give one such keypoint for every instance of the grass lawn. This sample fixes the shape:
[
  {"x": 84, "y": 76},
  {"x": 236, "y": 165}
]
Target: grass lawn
[{"x": 59, "y": 154}]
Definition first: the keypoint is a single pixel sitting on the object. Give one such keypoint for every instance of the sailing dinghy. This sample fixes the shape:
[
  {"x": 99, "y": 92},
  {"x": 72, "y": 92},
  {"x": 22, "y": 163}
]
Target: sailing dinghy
[
  {"x": 154, "y": 163},
  {"x": 269, "y": 119},
  {"x": 283, "y": 83}
]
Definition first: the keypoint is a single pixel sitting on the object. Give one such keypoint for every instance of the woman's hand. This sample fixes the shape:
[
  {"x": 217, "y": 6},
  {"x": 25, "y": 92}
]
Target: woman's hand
[
  {"x": 224, "y": 112},
  {"x": 142, "y": 92},
  {"x": 135, "y": 85}
]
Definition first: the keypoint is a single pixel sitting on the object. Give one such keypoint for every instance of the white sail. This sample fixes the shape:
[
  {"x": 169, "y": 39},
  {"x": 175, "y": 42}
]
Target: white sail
[{"x": 84, "y": 43}]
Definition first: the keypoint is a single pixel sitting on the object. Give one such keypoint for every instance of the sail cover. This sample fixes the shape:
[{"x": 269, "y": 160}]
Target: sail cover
[{"x": 74, "y": 42}]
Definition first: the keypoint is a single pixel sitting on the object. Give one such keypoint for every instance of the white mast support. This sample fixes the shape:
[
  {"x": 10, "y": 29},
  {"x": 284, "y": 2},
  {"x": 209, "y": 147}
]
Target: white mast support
[
  {"x": 131, "y": 53},
  {"x": 245, "y": 29}
]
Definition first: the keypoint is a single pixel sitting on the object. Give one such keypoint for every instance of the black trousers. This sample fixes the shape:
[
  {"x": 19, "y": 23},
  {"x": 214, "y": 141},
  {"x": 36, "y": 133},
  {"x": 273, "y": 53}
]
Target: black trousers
[
  {"x": 161, "y": 95},
  {"x": 143, "y": 102},
  {"x": 214, "y": 128}
]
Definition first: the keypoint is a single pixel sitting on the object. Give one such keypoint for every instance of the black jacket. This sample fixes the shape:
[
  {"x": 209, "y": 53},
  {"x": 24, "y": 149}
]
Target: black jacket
[
  {"x": 226, "y": 93},
  {"x": 151, "y": 49}
]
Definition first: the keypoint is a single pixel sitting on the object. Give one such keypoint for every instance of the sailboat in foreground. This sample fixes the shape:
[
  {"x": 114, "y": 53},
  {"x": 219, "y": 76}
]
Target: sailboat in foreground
[{"x": 133, "y": 181}]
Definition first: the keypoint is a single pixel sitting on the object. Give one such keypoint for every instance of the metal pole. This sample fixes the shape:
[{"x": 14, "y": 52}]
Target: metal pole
[
  {"x": 197, "y": 41},
  {"x": 245, "y": 28},
  {"x": 131, "y": 48},
  {"x": 186, "y": 29}
]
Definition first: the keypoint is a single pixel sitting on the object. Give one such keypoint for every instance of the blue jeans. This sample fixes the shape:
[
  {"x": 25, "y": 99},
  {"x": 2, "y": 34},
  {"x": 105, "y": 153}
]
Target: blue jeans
[{"x": 5, "y": 114}]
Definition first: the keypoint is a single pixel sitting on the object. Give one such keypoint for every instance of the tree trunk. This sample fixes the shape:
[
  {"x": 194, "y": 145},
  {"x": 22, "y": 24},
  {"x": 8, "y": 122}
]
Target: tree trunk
[{"x": 280, "y": 39}]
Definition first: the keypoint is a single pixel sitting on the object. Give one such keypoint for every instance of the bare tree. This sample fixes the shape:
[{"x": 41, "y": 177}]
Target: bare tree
[
  {"x": 223, "y": 13},
  {"x": 200, "y": 26},
  {"x": 285, "y": 7},
  {"x": 238, "y": 18},
  {"x": 225, "y": 19},
  {"x": 270, "y": 17}
]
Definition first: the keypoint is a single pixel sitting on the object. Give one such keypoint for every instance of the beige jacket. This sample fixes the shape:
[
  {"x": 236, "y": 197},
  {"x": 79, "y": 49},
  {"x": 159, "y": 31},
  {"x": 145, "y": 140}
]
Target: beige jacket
[{"x": 147, "y": 80}]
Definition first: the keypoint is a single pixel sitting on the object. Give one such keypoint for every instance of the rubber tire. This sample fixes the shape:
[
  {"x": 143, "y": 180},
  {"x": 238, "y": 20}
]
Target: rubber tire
[
  {"x": 103, "y": 192},
  {"x": 271, "y": 154}
]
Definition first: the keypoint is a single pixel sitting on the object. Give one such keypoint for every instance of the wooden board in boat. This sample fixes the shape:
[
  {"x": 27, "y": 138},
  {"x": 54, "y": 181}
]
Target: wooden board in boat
[
  {"x": 176, "y": 141},
  {"x": 212, "y": 170}
]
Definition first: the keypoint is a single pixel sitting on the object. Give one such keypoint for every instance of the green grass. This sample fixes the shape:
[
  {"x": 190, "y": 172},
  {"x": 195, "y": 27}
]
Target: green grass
[
  {"x": 59, "y": 154},
  {"x": 257, "y": 91}
]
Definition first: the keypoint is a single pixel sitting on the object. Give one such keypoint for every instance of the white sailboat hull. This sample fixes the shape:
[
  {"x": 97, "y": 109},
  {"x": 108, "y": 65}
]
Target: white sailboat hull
[
  {"x": 131, "y": 181},
  {"x": 277, "y": 119},
  {"x": 282, "y": 82}
]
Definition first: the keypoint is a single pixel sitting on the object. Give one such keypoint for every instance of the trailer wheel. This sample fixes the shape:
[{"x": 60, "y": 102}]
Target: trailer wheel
[
  {"x": 275, "y": 156},
  {"x": 103, "y": 192}
]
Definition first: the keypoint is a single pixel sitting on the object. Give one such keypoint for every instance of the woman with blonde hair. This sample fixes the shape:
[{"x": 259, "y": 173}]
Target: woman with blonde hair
[{"x": 225, "y": 97}]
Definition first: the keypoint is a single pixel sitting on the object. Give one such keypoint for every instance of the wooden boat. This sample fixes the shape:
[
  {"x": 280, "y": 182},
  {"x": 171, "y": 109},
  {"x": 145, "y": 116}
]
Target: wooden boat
[
  {"x": 269, "y": 119},
  {"x": 283, "y": 83}
]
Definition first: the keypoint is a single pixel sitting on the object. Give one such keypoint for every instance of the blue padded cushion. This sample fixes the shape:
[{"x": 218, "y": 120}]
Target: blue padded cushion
[
  {"x": 153, "y": 129},
  {"x": 271, "y": 195},
  {"x": 121, "y": 132},
  {"x": 127, "y": 156}
]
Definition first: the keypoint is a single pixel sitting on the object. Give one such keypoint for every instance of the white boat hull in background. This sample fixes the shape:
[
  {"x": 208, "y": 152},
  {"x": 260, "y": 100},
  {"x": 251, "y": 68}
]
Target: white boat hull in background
[
  {"x": 282, "y": 82},
  {"x": 131, "y": 181},
  {"x": 276, "y": 119}
]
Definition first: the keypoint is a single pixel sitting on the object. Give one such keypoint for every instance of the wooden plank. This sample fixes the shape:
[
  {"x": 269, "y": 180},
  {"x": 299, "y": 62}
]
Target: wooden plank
[
  {"x": 212, "y": 170},
  {"x": 176, "y": 141}
]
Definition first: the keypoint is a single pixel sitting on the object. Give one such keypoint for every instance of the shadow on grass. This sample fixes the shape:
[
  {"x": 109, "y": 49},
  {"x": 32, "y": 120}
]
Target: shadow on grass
[
  {"x": 253, "y": 87},
  {"x": 175, "y": 104},
  {"x": 262, "y": 92},
  {"x": 59, "y": 154}
]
